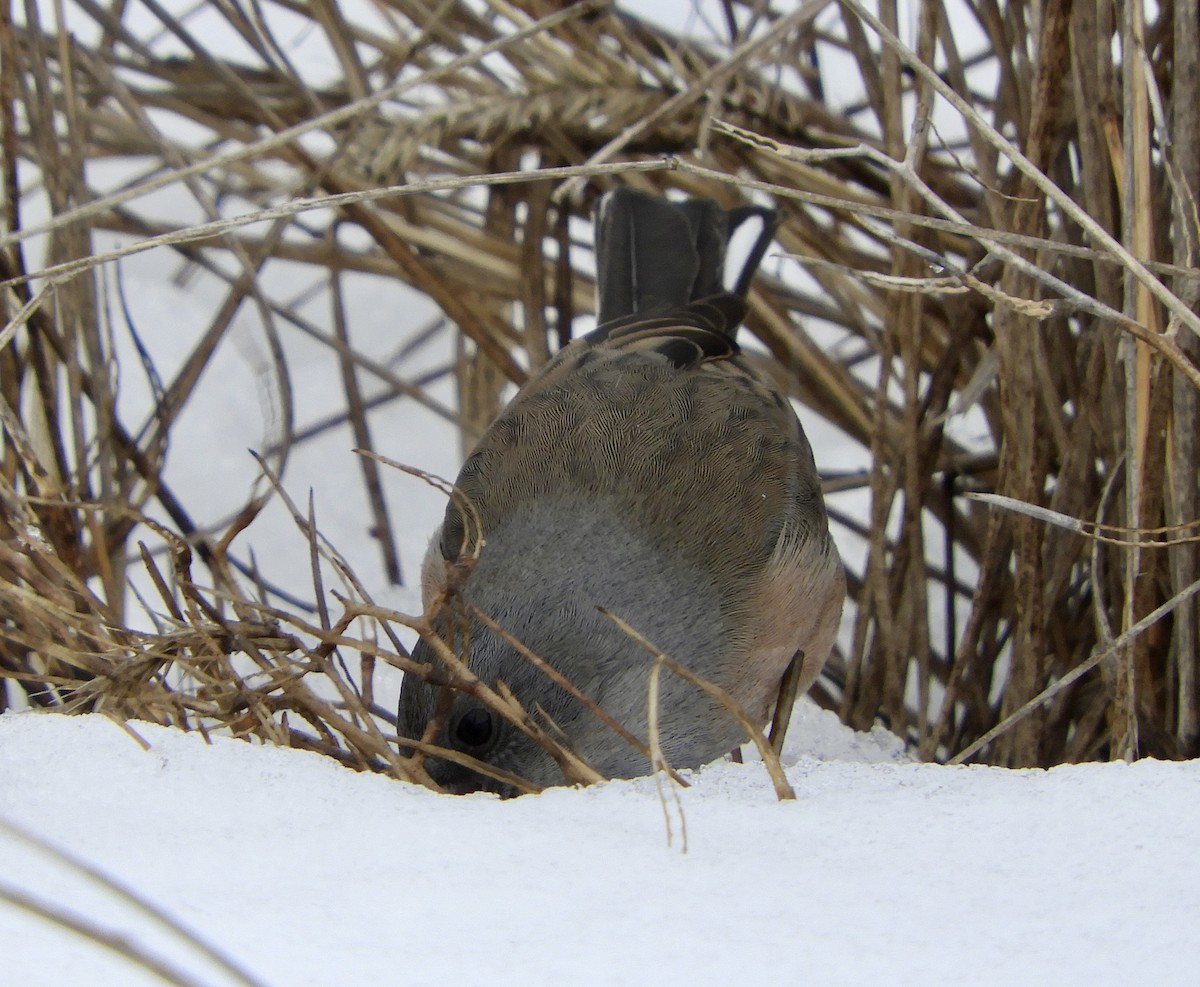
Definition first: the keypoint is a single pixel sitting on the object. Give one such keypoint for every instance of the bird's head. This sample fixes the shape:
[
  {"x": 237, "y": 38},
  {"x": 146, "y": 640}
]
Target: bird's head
[{"x": 469, "y": 726}]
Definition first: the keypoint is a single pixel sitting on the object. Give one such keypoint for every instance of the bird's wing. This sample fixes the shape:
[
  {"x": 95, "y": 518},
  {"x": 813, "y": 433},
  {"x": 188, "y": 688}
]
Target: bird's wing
[{"x": 660, "y": 419}]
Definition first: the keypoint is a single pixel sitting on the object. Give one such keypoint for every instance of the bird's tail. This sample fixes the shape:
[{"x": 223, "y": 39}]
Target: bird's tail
[{"x": 653, "y": 254}]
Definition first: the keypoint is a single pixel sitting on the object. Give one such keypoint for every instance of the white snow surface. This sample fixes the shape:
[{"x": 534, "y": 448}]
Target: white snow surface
[{"x": 881, "y": 871}]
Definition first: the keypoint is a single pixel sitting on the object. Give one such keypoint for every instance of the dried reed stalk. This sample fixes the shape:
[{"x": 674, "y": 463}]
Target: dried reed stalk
[{"x": 987, "y": 282}]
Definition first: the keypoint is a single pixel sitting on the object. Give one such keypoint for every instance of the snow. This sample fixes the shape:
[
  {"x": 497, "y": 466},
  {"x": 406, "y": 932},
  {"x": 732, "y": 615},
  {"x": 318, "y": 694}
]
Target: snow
[{"x": 881, "y": 871}]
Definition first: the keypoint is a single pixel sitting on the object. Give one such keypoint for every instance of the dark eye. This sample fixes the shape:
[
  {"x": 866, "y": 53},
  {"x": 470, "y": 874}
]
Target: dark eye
[{"x": 474, "y": 729}]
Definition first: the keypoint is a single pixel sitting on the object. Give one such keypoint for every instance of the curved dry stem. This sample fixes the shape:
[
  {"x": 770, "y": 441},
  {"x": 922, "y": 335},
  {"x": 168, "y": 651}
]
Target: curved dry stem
[
  {"x": 94, "y": 931},
  {"x": 783, "y": 789}
]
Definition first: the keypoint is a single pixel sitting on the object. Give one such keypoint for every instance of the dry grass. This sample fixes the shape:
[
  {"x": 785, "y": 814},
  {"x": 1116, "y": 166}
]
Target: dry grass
[{"x": 990, "y": 286}]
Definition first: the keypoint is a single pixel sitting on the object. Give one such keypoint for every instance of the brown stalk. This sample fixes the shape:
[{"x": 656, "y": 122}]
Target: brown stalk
[
  {"x": 558, "y": 678},
  {"x": 783, "y": 789}
]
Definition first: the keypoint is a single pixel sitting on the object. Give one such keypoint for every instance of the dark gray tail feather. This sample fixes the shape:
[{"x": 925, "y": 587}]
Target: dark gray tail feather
[{"x": 653, "y": 254}]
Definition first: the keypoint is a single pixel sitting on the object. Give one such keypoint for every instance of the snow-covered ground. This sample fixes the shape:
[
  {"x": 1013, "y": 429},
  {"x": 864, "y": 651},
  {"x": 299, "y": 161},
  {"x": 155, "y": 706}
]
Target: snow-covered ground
[{"x": 881, "y": 872}]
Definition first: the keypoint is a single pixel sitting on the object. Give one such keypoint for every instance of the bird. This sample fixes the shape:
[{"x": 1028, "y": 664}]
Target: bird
[{"x": 647, "y": 471}]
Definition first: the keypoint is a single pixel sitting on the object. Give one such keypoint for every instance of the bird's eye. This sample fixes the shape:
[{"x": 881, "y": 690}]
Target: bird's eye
[{"x": 474, "y": 729}]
